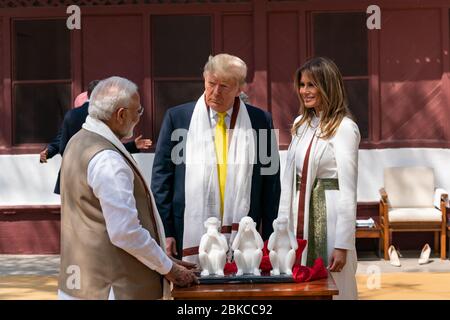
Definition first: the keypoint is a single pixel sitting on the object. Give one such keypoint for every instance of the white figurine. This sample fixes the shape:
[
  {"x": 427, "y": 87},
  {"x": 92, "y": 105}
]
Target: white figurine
[
  {"x": 282, "y": 246},
  {"x": 247, "y": 248},
  {"x": 213, "y": 249}
]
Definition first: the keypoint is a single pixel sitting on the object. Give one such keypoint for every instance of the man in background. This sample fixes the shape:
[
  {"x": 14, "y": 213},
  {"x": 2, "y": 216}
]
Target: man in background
[{"x": 72, "y": 123}]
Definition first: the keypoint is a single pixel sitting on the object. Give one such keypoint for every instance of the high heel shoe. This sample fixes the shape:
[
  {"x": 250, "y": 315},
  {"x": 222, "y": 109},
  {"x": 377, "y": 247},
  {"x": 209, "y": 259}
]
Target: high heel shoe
[
  {"x": 393, "y": 257},
  {"x": 425, "y": 254}
]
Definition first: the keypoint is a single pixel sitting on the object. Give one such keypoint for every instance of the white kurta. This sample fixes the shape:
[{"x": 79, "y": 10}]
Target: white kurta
[{"x": 335, "y": 158}]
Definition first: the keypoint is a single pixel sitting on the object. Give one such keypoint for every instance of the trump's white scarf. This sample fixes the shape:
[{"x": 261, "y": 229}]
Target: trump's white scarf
[{"x": 202, "y": 195}]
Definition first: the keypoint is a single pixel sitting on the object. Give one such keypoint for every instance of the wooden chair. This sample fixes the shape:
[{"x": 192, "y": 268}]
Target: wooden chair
[
  {"x": 448, "y": 236},
  {"x": 410, "y": 203}
]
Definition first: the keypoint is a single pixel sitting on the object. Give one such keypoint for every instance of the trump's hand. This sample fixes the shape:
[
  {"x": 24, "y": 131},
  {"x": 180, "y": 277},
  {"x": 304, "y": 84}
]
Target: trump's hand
[
  {"x": 171, "y": 247},
  {"x": 142, "y": 144}
]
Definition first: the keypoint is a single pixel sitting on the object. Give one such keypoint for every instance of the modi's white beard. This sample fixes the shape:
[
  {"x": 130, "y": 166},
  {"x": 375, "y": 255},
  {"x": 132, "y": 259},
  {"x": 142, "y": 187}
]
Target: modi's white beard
[{"x": 129, "y": 134}]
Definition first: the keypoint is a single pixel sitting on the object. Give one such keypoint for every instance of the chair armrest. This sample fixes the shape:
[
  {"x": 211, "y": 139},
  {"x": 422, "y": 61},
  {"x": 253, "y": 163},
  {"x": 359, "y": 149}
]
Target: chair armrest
[
  {"x": 383, "y": 194},
  {"x": 383, "y": 208},
  {"x": 440, "y": 195}
]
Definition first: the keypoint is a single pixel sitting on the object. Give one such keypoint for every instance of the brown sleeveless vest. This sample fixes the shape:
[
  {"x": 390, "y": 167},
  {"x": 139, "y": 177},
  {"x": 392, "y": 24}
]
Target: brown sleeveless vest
[{"x": 85, "y": 244}]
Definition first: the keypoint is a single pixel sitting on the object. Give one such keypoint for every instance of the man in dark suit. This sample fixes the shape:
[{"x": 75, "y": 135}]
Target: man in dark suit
[
  {"x": 224, "y": 77},
  {"x": 72, "y": 123},
  {"x": 52, "y": 149}
]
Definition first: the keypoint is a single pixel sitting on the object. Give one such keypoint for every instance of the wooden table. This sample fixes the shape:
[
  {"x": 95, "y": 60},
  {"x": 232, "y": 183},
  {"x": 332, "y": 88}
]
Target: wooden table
[
  {"x": 372, "y": 233},
  {"x": 322, "y": 289}
]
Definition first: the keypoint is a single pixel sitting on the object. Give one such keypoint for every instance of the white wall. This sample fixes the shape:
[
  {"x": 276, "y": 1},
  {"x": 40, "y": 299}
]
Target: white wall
[
  {"x": 24, "y": 181},
  {"x": 372, "y": 162}
]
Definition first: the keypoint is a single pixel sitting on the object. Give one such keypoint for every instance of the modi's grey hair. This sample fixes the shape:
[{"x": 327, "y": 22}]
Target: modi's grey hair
[
  {"x": 110, "y": 94},
  {"x": 227, "y": 66}
]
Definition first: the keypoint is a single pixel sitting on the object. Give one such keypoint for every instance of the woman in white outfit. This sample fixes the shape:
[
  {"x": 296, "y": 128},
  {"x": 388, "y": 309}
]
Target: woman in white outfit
[{"x": 319, "y": 183}]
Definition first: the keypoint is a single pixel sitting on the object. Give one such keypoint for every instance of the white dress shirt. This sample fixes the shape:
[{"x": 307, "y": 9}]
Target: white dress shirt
[
  {"x": 111, "y": 180},
  {"x": 214, "y": 117}
]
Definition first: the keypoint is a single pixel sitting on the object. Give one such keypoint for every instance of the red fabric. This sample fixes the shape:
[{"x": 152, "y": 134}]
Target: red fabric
[
  {"x": 230, "y": 268},
  {"x": 305, "y": 274},
  {"x": 298, "y": 254},
  {"x": 265, "y": 265},
  {"x": 300, "y": 273}
]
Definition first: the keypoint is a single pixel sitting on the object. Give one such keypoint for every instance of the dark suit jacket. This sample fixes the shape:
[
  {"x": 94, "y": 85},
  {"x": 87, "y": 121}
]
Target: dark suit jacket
[
  {"x": 168, "y": 179},
  {"x": 53, "y": 146},
  {"x": 72, "y": 123}
]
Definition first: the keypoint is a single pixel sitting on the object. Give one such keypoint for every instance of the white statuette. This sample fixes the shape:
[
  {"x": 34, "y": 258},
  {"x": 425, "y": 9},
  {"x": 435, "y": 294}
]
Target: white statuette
[
  {"x": 247, "y": 248},
  {"x": 282, "y": 246},
  {"x": 213, "y": 249}
]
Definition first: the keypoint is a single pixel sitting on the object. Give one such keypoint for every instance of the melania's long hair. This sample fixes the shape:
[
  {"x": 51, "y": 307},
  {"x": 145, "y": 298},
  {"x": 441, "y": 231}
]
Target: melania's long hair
[{"x": 326, "y": 77}]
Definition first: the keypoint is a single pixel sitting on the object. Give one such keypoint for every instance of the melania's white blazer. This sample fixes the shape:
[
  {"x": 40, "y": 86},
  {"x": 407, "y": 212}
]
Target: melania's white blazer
[{"x": 337, "y": 158}]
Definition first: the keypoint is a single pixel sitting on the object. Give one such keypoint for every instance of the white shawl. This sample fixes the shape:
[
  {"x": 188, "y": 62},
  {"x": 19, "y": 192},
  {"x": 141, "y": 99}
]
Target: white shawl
[
  {"x": 202, "y": 198},
  {"x": 100, "y": 128},
  {"x": 289, "y": 197}
]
